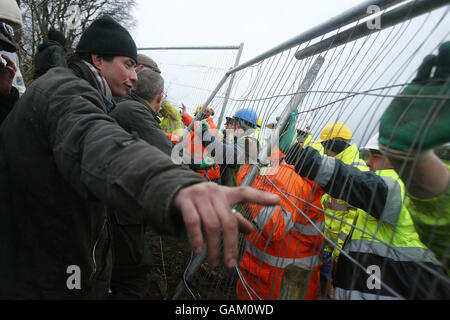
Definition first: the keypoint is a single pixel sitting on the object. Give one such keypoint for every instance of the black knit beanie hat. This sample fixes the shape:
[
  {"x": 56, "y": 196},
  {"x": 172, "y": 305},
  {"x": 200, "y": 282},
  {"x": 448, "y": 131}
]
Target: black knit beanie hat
[
  {"x": 56, "y": 36},
  {"x": 106, "y": 36}
]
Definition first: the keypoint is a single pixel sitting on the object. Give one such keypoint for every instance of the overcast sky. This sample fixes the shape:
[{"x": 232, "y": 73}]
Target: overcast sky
[{"x": 259, "y": 24}]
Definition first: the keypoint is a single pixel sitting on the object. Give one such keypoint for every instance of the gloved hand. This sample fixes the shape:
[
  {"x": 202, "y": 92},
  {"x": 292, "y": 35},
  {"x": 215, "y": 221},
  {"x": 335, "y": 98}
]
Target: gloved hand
[
  {"x": 205, "y": 126},
  {"x": 201, "y": 128},
  {"x": 411, "y": 124},
  {"x": 306, "y": 161},
  {"x": 207, "y": 163},
  {"x": 288, "y": 134}
]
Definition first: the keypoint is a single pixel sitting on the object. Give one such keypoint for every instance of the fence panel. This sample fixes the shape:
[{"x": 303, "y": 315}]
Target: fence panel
[{"x": 360, "y": 76}]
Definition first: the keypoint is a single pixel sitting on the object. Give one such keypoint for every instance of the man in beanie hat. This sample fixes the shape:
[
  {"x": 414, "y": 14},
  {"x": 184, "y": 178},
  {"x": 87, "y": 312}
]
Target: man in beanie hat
[
  {"x": 137, "y": 112},
  {"x": 51, "y": 53},
  {"x": 63, "y": 160}
]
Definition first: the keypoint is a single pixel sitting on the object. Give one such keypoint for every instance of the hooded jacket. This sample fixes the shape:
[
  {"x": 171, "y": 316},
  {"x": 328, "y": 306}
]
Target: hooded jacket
[
  {"x": 62, "y": 161},
  {"x": 50, "y": 54}
]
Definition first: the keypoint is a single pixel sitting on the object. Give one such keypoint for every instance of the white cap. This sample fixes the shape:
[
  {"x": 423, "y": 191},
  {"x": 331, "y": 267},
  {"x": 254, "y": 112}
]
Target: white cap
[
  {"x": 10, "y": 13},
  {"x": 373, "y": 143}
]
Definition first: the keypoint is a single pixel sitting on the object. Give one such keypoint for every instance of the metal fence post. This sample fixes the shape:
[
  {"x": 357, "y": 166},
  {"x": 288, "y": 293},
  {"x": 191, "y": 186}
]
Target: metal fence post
[{"x": 230, "y": 85}]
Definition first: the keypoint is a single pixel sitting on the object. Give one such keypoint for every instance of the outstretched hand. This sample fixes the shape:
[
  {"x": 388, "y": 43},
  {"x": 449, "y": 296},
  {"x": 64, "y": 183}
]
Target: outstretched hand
[{"x": 206, "y": 209}]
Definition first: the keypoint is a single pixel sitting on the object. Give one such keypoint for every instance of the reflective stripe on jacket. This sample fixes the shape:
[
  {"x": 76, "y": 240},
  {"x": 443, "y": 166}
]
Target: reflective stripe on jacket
[
  {"x": 195, "y": 150},
  {"x": 392, "y": 250},
  {"x": 284, "y": 235}
]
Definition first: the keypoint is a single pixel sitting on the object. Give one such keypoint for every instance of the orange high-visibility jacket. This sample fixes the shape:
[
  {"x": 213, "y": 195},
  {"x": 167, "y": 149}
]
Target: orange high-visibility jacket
[
  {"x": 285, "y": 235},
  {"x": 195, "y": 149},
  {"x": 174, "y": 138}
]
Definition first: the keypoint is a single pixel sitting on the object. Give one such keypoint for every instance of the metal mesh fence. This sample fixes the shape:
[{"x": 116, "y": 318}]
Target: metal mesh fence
[
  {"x": 191, "y": 73},
  {"x": 371, "y": 250}
]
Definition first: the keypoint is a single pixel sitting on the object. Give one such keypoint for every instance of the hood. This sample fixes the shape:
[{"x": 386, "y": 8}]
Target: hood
[{"x": 49, "y": 43}]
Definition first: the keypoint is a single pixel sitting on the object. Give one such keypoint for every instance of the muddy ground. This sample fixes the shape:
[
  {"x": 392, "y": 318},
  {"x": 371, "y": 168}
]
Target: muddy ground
[{"x": 172, "y": 256}]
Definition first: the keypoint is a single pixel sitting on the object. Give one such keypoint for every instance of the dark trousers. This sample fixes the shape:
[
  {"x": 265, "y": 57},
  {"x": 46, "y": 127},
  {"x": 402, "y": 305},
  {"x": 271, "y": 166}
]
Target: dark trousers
[{"x": 133, "y": 260}]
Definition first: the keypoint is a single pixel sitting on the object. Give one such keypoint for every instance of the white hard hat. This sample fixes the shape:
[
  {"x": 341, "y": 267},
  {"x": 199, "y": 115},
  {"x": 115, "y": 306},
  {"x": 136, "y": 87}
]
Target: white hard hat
[
  {"x": 10, "y": 13},
  {"x": 373, "y": 143}
]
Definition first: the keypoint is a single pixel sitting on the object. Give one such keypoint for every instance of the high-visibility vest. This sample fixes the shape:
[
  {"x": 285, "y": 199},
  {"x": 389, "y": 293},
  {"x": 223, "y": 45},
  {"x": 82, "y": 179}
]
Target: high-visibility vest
[
  {"x": 284, "y": 234},
  {"x": 172, "y": 123},
  {"x": 394, "y": 253},
  {"x": 195, "y": 150},
  {"x": 174, "y": 138},
  {"x": 432, "y": 221},
  {"x": 312, "y": 143},
  {"x": 257, "y": 135},
  {"x": 335, "y": 229}
]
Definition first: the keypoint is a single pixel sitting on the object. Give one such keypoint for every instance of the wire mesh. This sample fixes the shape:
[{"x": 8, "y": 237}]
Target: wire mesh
[
  {"x": 284, "y": 257},
  {"x": 190, "y": 75}
]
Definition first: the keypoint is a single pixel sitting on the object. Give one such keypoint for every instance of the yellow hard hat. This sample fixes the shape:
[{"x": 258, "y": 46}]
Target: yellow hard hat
[
  {"x": 336, "y": 130},
  {"x": 208, "y": 111},
  {"x": 259, "y": 123}
]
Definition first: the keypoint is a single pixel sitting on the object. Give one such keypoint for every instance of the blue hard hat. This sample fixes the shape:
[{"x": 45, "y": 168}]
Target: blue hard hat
[{"x": 247, "y": 115}]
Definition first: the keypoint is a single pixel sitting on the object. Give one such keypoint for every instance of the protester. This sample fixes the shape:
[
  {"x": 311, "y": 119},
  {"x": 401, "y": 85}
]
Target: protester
[
  {"x": 137, "y": 114},
  {"x": 63, "y": 160},
  {"x": 146, "y": 62},
  {"x": 51, "y": 53}
]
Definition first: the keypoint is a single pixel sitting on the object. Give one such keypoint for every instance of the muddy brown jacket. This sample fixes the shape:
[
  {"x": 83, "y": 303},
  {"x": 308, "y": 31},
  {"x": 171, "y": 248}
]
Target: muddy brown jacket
[{"x": 62, "y": 160}]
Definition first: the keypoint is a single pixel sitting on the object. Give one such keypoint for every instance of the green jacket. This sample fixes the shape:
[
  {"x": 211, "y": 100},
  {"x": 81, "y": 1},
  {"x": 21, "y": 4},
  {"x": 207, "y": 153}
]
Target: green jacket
[
  {"x": 134, "y": 115},
  {"x": 50, "y": 54},
  {"x": 63, "y": 160}
]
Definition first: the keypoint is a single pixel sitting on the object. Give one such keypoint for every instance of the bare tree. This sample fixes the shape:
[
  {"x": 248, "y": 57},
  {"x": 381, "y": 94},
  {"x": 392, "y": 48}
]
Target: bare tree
[{"x": 39, "y": 16}]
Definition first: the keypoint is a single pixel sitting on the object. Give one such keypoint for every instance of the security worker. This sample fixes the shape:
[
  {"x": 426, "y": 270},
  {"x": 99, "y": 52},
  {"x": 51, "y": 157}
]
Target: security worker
[
  {"x": 337, "y": 140},
  {"x": 384, "y": 256},
  {"x": 282, "y": 257},
  {"x": 258, "y": 135},
  {"x": 171, "y": 121},
  {"x": 410, "y": 129},
  {"x": 193, "y": 146},
  {"x": 240, "y": 145}
]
